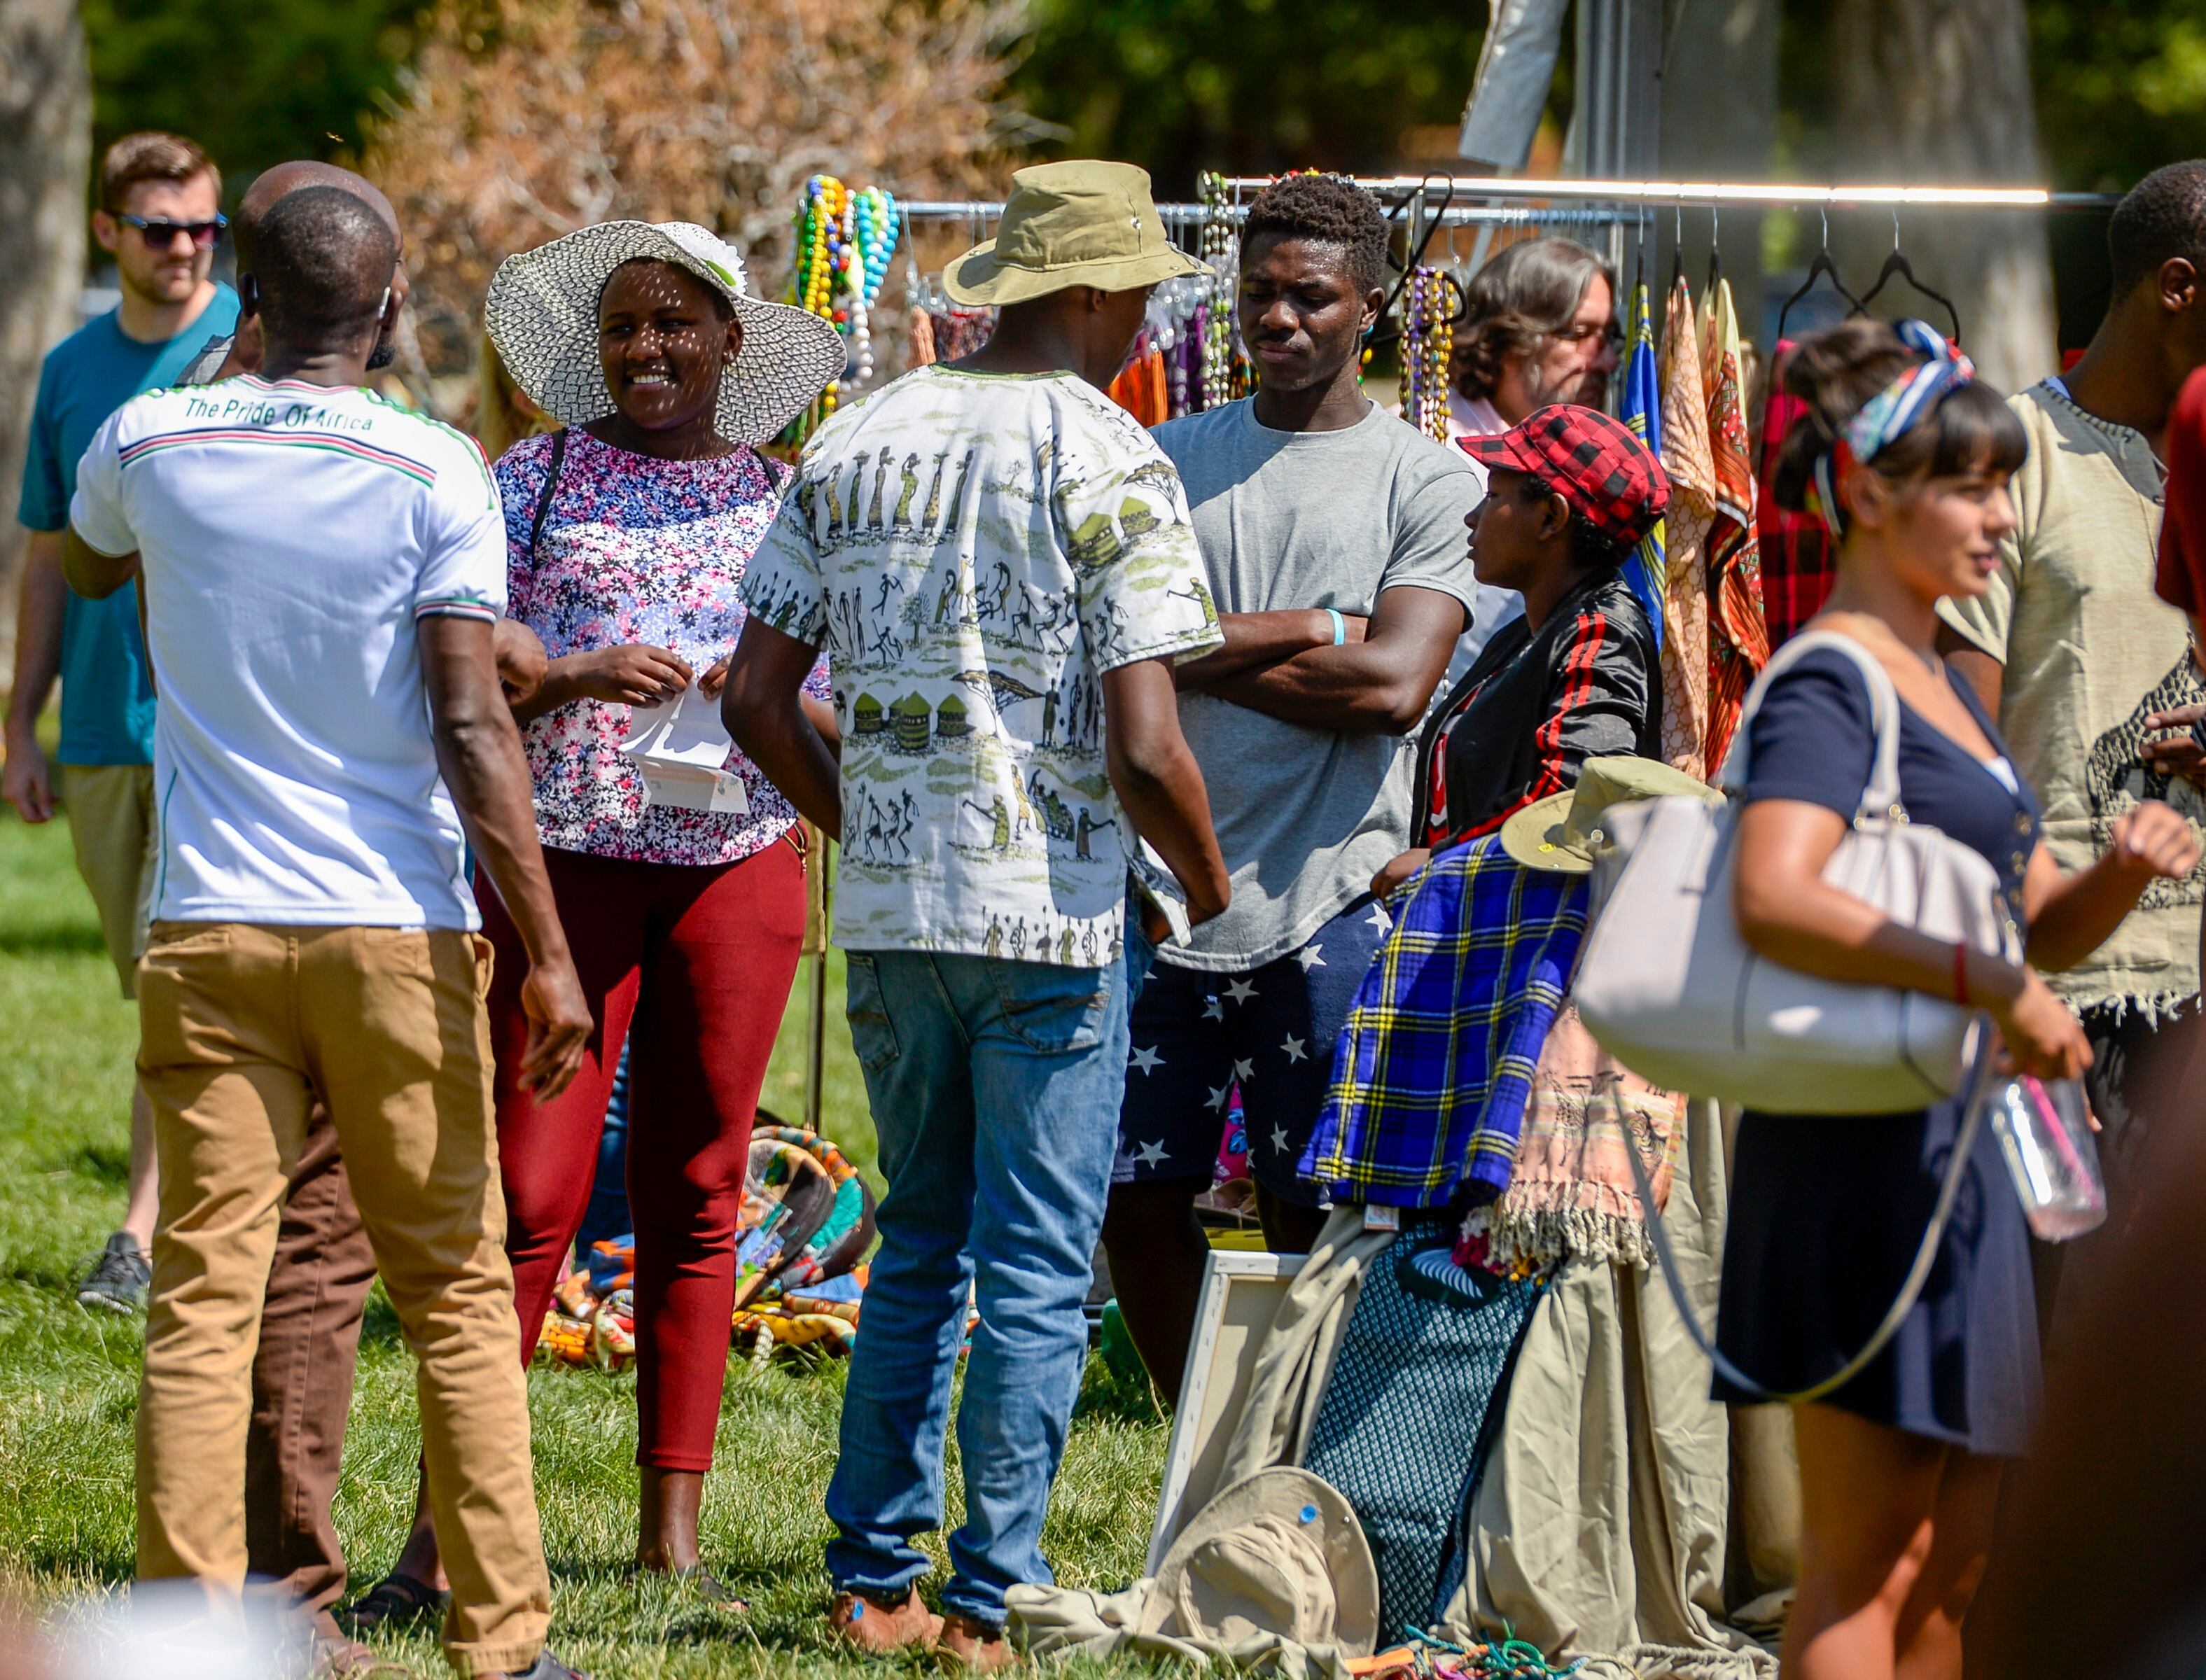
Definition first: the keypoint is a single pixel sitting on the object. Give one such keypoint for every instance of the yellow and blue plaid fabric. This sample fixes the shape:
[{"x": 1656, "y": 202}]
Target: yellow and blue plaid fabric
[{"x": 1435, "y": 1061}]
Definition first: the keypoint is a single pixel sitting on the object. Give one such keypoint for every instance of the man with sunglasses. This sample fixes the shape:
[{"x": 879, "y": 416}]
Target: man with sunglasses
[{"x": 158, "y": 216}]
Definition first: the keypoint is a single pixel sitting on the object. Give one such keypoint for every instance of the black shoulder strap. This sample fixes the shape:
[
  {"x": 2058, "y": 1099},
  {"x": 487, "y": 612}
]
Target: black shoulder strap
[{"x": 551, "y": 484}]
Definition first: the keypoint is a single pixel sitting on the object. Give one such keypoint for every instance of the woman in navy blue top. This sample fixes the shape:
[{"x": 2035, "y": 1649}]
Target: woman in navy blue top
[{"x": 1907, "y": 460}]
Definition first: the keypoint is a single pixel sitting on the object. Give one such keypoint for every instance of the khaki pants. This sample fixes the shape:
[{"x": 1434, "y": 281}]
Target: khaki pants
[
  {"x": 118, "y": 851},
  {"x": 244, "y": 1026}
]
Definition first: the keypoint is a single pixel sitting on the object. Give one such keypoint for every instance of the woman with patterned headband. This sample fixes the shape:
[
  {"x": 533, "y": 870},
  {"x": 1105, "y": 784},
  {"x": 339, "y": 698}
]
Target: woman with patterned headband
[{"x": 1905, "y": 457}]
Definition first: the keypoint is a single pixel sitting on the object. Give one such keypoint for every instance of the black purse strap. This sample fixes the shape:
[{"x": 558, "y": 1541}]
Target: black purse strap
[{"x": 551, "y": 484}]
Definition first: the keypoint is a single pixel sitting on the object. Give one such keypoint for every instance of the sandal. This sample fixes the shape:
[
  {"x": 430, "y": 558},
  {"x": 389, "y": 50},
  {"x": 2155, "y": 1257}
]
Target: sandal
[
  {"x": 700, "y": 1582},
  {"x": 396, "y": 1601},
  {"x": 714, "y": 1590}
]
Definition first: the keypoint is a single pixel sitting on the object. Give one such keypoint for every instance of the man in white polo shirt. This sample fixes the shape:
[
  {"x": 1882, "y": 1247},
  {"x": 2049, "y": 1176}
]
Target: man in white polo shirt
[{"x": 321, "y": 571}]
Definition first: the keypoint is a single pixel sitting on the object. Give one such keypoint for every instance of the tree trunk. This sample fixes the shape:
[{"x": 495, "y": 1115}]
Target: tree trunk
[
  {"x": 1719, "y": 124},
  {"x": 45, "y": 149},
  {"x": 1938, "y": 92}
]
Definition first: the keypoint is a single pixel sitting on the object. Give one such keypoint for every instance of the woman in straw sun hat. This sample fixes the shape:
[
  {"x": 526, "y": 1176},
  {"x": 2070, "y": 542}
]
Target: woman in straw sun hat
[{"x": 627, "y": 532}]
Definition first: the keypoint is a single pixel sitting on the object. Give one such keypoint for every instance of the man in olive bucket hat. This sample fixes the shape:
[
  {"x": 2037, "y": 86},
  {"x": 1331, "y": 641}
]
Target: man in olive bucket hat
[{"x": 1000, "y": 563}]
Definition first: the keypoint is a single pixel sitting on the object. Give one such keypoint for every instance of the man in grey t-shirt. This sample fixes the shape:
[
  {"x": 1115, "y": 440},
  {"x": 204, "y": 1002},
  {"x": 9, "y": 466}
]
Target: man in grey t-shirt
[{"x": 1333, "y": 537}]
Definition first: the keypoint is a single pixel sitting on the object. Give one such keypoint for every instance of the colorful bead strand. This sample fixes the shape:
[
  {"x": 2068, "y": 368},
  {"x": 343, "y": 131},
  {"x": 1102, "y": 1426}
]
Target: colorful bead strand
[
  {"x": 1428, "y": 347},
  {"x": 845, "y": 240},
  {"x": 1219, "y": 249}
]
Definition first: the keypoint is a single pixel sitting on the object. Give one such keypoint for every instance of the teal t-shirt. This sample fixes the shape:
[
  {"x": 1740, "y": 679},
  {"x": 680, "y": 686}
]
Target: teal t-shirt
[{"x": 107, "y": 689}]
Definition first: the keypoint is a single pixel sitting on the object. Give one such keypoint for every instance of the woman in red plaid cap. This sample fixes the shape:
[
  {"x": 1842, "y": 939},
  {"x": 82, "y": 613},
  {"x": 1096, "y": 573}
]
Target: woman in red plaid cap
[{"x": 1570, "y": 493}]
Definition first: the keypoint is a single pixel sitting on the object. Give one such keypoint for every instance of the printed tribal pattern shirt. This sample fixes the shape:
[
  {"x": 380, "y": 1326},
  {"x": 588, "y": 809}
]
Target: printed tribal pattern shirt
[
  {"x": 975, "y": 551},
  {"x": 635, "y": 550}
]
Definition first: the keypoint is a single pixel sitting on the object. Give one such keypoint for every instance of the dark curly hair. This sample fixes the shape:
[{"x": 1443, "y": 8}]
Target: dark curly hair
[
  {"x": 1836, "y": 372},
  {"x": 1331, "y": 209},
  {"x": 1530, "y": 288},
  {"x": 2163, "y": 215}
]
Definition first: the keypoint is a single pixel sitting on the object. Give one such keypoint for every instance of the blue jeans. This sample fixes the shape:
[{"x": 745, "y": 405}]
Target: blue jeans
[
  {"x": 607, "y": 1214},
  {"x": 995, "y": 1088}
]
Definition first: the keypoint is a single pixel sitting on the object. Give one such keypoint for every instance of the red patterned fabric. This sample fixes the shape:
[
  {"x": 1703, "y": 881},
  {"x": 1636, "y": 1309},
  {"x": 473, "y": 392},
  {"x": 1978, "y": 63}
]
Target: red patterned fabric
[
  {"x": 1739, "y": 638},
  {"x": 1798, "y": 565}
]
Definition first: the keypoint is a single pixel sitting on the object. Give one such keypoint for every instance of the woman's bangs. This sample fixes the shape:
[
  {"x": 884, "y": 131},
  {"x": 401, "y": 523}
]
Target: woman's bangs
[{"x": 1975, "y": 431}]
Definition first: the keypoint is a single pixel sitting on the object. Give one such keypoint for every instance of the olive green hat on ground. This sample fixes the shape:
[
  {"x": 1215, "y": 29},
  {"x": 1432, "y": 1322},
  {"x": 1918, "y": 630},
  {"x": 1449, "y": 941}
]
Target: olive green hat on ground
[
  {"x": 1078, "y": 223},
  {"x": 1561, "y": 832}
]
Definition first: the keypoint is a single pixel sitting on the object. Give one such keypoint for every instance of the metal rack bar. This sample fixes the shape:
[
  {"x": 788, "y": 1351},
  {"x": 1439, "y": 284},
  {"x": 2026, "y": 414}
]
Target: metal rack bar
[
  {"x": 947, "y": 210},
  {"x": 1704, "y": 193}
]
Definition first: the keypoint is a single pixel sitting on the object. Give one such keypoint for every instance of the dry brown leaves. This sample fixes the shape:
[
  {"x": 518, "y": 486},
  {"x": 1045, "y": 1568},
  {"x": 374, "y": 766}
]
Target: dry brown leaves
[{"x": 525, "y": 119}]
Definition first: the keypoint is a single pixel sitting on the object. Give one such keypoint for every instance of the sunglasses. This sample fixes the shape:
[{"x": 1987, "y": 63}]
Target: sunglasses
[
  {"x": 162, "y": 236},
  {"x": 1611, "y": 334}
]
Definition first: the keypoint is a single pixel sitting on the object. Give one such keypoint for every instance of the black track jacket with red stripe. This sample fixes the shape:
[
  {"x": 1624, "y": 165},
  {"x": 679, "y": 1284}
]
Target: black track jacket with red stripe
[{"x": 1587, "y": 683}]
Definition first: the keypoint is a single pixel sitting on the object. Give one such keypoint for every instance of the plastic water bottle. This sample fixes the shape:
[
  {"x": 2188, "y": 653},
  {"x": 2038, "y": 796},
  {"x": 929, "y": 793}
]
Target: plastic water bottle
[{"x": 2044, "y": 1131}]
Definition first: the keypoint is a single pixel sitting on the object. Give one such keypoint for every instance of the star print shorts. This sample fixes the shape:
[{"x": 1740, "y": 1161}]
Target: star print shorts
[{"x": 1271, "y": 1031}]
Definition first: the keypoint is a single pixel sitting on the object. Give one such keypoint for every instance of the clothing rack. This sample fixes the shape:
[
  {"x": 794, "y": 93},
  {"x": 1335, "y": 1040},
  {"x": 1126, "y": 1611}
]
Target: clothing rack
[{"x": 1614, "y": 204}]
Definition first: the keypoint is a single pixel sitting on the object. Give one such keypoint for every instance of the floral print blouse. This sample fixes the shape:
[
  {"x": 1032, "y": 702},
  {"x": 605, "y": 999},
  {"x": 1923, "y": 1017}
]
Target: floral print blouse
[{"x": 635, "y": 550}]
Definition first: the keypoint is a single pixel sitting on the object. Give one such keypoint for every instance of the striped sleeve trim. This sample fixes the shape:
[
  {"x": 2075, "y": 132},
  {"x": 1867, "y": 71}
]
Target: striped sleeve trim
[
  {"x": 333, "y": 442},
  {"x": 456, "y": 606}
]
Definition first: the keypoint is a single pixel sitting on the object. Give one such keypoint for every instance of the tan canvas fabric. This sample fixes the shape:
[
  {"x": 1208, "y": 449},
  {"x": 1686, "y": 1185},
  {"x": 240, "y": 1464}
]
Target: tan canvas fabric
[
  {"x": 1295, "y": 1360},
  {"x": 1601, "y": 1527},
  {"x": 244, "y": 1026},
  {"x": 118, "y": 845},
  {"x": 1291, "y": 1367},
  {"x": 1067, "y": 1621},
  {"x": 2089, "y": 650}
]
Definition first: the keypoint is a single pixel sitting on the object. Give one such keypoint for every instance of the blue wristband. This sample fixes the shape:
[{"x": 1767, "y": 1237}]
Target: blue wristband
[{"x": 1340, "y": 627}]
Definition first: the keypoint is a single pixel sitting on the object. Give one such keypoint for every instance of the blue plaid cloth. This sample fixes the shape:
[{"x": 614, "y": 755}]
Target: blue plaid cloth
[{"x": 1435, "y": 1061}]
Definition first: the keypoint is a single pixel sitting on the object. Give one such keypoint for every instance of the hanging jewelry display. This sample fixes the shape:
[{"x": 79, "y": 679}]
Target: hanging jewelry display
[
  {"x": 1220, "y": 250},
  {"x": 843, "y": 242},
  {"x": 1427, "y": 347}
]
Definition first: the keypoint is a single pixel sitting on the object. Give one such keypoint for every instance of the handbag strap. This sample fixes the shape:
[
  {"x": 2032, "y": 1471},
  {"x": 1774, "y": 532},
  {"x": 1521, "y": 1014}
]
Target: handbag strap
[
  {"x": 1911, "y": 1290},
  {"x": 551, "y": 486},
  {"x": 1881, "y": 795}
]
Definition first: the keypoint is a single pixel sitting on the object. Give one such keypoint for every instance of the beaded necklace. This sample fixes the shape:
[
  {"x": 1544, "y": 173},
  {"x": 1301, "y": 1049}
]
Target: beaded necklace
[
  {"x": 1219, "y": 250},
  {"x": 843, "y": 242},
  {"x": 1427, "y": 346}
]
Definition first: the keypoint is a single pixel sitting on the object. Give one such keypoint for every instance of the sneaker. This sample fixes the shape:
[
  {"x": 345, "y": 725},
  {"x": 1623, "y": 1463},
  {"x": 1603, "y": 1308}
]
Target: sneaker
[
  {"x": 874, "y": 1626},
  {"x": 549, "y": 1667},
  {"x": 119, "y": 1278},
  {"x": 974, "y": 1647}
]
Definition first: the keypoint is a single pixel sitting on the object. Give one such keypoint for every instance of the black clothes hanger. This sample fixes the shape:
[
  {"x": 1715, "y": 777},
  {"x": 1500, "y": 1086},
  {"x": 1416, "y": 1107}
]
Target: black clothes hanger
[
  {"x": 1897, "y": 267},
  {"x": 1716, "y": 250},
  {"x": 1413, "y": 203},
  {"x": 1822, "y": 266}
]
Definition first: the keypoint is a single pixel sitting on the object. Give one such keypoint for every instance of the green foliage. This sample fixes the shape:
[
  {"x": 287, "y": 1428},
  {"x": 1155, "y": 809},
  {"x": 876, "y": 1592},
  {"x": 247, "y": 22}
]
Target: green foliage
[
  {"x": 2121, "y": 88},
  {"x": 68, "y": 1380},
  {"x": 1177, "y": 86},
  {"x": 254, "y": 81},
  {"x": 1247, "y": 86}
]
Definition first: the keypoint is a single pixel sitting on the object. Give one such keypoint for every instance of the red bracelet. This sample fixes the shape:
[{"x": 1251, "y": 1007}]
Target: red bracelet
[{"x": 1961, "y": 973}]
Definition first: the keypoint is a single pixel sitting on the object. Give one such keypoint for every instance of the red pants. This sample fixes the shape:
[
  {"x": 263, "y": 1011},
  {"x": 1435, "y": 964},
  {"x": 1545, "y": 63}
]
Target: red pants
[{"x": 697, "y": 961}]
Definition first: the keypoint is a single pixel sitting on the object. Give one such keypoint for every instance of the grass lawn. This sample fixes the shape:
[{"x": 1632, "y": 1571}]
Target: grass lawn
[{"x": 69, "y": 1377}]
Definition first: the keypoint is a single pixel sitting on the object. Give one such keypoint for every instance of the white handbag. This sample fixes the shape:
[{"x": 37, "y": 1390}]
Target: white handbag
[{"x": 1668, "y": 987}]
